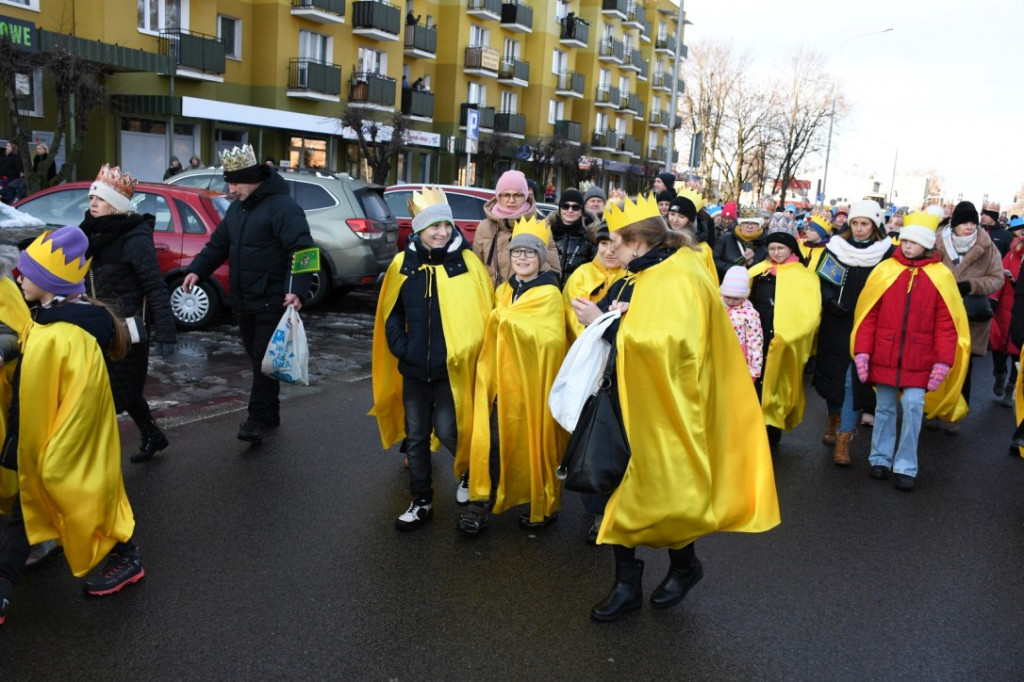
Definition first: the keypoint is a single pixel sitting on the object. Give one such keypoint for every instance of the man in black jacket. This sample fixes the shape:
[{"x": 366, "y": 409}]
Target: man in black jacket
[{"x": 258, "y": 237}]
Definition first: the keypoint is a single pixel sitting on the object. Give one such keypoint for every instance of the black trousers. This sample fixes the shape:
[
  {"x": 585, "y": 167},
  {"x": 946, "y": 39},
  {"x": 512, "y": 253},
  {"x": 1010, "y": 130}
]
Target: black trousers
[
  {"x": 429, "y": 406},
  {"x": 256, "y": 330},
  {"x": 14, "y": 546}
]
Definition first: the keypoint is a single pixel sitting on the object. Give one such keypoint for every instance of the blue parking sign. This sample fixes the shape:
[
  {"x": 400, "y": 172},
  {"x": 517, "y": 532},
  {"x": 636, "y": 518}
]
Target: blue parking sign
[{"x": 472, "y": 124}]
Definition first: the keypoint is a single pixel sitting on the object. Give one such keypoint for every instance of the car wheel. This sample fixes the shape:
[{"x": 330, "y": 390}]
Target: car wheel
[
  {"x": 319, "y": 288},
  {"x": 196, "y": 310}
]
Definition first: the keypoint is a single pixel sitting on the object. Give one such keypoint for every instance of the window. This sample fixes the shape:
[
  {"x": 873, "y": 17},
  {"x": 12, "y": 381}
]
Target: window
[
  {"x": 623, "y": 85},
  {"x": 372, "y": 61},
  {"x": 652, "y": 139},
  {"x": 28, "y": 89},
  {"x": 556, "y": 111},
  {"x": 157, "y": 206},
  {"x": 656, "y": 105},
  {"x": 306, "y": 152},
  {"x": 157, "y": 15},
  {"x": 190, "y": 222},
  {"x": 509, "y": 102},
  {"x": 662, "y": 30},
  {"x": 315, "y": 46},
  {"x": 561, "y": 9},
  {"x": 601, "y": 121},
  {"x": 659, "y": 68},
  {"x": 559, "y": 62},
  {"x": 620, "y": 127},
  {"x": 310, "y": 197},
  {"x": 609, "y": 34},
  {"x": 229, "y": 30},
  {"x": 30, "y": 4},
  {"x": 476, "y": 94},
  {"x": 511, "y": 50},
  {"x": 604, "y": 79},
  {"x": 479, "y": 36},
  {"x": 465, "y": 207}
]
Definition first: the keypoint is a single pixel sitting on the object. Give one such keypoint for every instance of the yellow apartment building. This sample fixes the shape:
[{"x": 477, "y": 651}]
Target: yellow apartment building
[{"x": 589, "y": 78}]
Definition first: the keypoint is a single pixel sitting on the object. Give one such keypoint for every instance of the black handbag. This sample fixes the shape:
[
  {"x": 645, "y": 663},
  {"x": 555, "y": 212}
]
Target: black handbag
[
  {"x": 595, "y": 460},
  {"x": 978, "y": 307}
]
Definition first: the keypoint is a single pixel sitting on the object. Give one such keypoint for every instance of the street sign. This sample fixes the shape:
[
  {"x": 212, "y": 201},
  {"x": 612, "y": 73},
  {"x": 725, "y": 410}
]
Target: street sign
[
  {"x": 472, "y": 124},
  {"x": 524, "y": 152},
  {"x": 821, "y": 197}
]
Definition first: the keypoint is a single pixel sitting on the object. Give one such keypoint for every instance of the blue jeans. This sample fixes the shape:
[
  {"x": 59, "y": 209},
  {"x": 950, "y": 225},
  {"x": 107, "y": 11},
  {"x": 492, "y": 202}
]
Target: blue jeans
[
  {"x": 883, "y": 439},
  {"x": 429, "y": 407},
  {"x": 848, "y": 417}
]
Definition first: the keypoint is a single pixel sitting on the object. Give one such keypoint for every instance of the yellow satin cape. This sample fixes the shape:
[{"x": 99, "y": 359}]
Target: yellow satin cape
[
  {"x": 523, "y": 348},
  {"x": 591, "y": 281},
  {"x": 700, "y": 461},
  {"x": 69, "y": 448},
  {"x": 947, "y": 402},
  {"x": 465, "y": 301},
  {"x": 797, "y": 316},
  {"x": 14, "y": 313}
]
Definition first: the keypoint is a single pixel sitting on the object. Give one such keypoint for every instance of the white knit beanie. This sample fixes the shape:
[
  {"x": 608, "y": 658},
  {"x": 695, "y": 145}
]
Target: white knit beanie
[{"x": 736, "y": 283}]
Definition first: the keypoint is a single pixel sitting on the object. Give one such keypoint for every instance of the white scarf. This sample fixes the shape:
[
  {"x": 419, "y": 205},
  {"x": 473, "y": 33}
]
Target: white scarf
[
  {"x": 851, "y": 256},
  {"x": 957, "y": 246}
]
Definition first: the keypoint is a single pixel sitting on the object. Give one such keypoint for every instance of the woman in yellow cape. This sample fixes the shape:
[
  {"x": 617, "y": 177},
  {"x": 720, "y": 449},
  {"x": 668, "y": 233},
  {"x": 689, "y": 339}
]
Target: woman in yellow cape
[
  {"x": 686, "y": 215},
  {"x": 590, "y": 280},
  {"x": 517, "y": 445},
  {"x": 683, "y": 386},
  {"x": 788, "y": 298}
]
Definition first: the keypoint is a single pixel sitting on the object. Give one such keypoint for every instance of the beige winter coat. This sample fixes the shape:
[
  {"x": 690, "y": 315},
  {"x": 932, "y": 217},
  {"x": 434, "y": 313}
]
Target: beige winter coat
[
  {"x": 982, "y": 266},
  {"x": 491, "y": 244}
]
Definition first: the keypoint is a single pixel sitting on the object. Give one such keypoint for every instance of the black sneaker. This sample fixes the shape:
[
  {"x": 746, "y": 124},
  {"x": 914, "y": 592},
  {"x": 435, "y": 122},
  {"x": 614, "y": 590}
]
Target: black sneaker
[
  {"x": 251, "y": 431},
  {"x": 123, "y": 567},
  {"x": 904, "y": 482},
  {"x": 879, "y": 472},
  {"x": 6, "y": 593},
  {"x": 414, "y": 517},
  {"x": 478, "y": 518},
  {"x": 525, "y": 522}
]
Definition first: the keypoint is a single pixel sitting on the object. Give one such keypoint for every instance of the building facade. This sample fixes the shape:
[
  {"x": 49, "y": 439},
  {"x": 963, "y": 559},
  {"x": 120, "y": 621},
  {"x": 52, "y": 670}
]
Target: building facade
[{"x": 563, "y": 90}]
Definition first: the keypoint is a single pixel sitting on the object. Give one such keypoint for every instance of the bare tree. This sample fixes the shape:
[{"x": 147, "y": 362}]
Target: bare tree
[
  {"x": 557, "y": 152},
  {"x": 378, "y": 149},
  {"x": 743, "y": 139},
  {"x": 490, "y": 150}
]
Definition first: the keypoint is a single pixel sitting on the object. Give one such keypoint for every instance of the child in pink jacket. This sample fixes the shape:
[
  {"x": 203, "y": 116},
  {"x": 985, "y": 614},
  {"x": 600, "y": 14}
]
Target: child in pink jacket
[{"x": 745, "y": 320}]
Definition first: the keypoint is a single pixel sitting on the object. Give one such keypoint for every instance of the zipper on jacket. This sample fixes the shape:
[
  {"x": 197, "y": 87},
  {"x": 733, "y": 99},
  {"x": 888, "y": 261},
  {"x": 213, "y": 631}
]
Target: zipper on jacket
[
  {"x": 903, "y": 333},
  {"x": 430, "y": 322}
]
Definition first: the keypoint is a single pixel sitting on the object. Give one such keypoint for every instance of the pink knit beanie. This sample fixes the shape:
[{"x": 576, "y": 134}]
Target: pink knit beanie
[{"x": 512, "y": 181}]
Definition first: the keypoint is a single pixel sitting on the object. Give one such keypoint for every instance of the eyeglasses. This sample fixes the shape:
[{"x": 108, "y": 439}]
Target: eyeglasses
[
  {"x": 523, "y": 253},
  {"x": 569, "y": 207},
  {"x": 511, "y": 196}
]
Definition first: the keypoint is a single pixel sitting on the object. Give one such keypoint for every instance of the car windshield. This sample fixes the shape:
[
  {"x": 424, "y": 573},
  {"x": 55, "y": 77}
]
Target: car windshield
[{"x": 374, "y": 206}]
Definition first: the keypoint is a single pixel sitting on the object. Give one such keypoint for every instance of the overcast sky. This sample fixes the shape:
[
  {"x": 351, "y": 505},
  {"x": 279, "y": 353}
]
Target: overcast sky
[{"x": 944, "y": 88}]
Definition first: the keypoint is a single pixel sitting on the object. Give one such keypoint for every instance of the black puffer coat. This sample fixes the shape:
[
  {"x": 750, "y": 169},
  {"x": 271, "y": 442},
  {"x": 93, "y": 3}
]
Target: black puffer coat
[
  {"x": 728, "y": 251},
  {"x": 574, "y": 248},
  {"x": 257, "y": 238}
]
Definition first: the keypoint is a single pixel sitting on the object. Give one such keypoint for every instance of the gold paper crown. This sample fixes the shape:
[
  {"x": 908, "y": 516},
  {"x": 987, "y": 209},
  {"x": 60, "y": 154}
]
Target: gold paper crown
[
  {"x": 533, "y": 227},
  {"x": 428, "y": 196},
  {"x": 617, "y": 218},
  {"x": 822, "y": 222},
  {"x": 122, "y": 183},
  {"x": 55, "y": 261},
  {"x": 238, "y": 158},
  {"x": 923, "y": 219},
  {"x": 692, "y": 195}
]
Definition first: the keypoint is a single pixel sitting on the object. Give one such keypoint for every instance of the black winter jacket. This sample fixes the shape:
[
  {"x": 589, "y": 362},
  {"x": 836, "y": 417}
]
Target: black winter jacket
[
  {"x": 257, "y": 238},
  {"x": 728, "y": 251},
  {"x": 574, "y": 248},
  {"x": 414, "y": 330}
]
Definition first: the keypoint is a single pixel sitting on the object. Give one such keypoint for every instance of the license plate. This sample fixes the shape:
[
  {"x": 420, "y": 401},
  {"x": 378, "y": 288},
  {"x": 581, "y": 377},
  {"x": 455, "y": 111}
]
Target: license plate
[{"x": 390, "y": 237}]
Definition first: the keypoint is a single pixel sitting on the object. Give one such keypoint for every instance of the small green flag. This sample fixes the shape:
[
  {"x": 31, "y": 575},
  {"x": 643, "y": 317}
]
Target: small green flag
[{"x": 307, "y": 260}]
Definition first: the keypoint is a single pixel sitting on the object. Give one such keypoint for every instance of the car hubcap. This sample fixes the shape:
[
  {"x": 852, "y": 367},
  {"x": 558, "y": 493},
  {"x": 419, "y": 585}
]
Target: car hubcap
[{"x": 190, "y": 308}]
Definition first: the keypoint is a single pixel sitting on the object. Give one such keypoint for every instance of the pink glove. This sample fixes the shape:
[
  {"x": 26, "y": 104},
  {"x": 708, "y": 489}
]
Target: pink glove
[
  {"x": 938, "y": 375},
  {"x": 861, "y": 360}
]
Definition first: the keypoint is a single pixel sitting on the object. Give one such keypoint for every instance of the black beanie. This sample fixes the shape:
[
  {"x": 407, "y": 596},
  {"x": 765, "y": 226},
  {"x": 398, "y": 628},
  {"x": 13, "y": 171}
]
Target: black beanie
[
  {"x": 665, "y": 195},
  {"x": 250, "y": 174},
  {"x": 964, "y": 213},
  {"x": 786, "y": 239},
  {"x": 686, "y": 207},
  {"x": 669, "y": 179},
  {"x": 572, "y": 194},
  {"x": 994, "y": 215}
]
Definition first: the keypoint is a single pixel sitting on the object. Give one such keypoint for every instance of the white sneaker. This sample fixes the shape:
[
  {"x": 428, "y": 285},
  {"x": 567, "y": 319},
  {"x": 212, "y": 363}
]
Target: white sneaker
[
  {"x": 462, "y": 491},
  {"x": 415, "y": 515}
]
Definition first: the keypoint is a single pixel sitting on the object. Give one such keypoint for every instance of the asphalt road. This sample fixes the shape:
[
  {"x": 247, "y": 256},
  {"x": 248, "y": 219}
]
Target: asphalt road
[{"x": 281, "y": 561}]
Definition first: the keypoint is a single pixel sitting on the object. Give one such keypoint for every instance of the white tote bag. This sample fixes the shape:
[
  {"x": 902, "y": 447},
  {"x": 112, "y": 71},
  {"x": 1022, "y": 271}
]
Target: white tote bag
[
  {"x": 287, "y": 356},
  {"x": 580, "y": 372}
]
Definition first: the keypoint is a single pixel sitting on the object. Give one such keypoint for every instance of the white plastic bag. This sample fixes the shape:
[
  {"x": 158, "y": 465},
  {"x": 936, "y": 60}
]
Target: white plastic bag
[
  {"x": 580, "y": 372},
  {"x": 287, "y": 356}
]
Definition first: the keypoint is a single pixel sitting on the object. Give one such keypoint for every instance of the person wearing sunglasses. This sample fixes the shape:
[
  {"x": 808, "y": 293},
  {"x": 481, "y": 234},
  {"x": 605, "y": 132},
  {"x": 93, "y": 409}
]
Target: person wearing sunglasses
[
  {"x": 512, "y": 201},
  {"x": 569, "y": 225}
]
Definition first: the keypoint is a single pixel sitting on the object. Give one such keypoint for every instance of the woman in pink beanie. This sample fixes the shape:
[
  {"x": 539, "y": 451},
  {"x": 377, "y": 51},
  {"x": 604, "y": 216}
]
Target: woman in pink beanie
[{"x": 512, "y": 200}]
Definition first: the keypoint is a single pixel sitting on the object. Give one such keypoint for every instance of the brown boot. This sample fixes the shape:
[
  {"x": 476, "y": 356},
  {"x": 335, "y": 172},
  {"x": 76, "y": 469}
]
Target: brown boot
[
  {"x": 830, "y": 431},
  {"x": 841, "y": 455}
]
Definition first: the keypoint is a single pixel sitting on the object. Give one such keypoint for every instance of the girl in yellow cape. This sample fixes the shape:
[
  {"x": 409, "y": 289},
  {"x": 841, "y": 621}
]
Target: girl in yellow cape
[
  {"x": 591, "y": 280},
  {"x": 787, "y": 296},
  {"x": 517, "y": 445},
  {"x": 686, "y": 214},
  {"x": 429, "y": 327},
  {"x": 62, "y": 435},
  {"x": 682, "y": 386}
]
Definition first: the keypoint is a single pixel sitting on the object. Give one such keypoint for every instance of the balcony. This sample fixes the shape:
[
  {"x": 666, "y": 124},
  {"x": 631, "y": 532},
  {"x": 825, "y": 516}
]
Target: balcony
[
  {"x": 371, "y": 90},
  {"x": 636, "y": 15},
  {"x": 629, "y": 103},
  {"x": 569, "y": 130},
  {"x": 656, "y": 153},
  {"x": 615, "y": 8},
  {"x": 645, "y": 68},
  {"x": 311, "y": 79},
  {"x": 661, "y": 82},
  {"x": 510, "y": 124},
  {"x": 373, "y": 19},
  {"x": 658, "y": 119},
  {"x": 604, "y": 140},
  {"x": 486, "y": 116},
  {"x": 484, "y": 9},
  {"x": 570, "y": 84},
  {"x": 665, "y": 45},
  {"x": 517, "y": 17},
  {"x": 417, "y": 104},
  {"x": 629, "y": 145},
  {"x": 514, "y": 72},
  {"x": 574, "y": 31},
  {"x": 320, "y": 11},
  {"x": 195, "y": 55},
  {"x": 607, "y": 97},
  {"x": 645, "y": 31},
  {"x": 612, "y": 51},
  {"x": 634, "y": 60},
  {"x": 482, "y": 61},
  {"x": 420, "y": 41}
]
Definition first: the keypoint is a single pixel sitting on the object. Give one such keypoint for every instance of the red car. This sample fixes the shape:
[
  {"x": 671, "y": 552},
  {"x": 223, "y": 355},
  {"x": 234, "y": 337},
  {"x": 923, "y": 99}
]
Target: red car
[
  {"x": 467, "y": 207},
  {"x": 185, "y": 218}
]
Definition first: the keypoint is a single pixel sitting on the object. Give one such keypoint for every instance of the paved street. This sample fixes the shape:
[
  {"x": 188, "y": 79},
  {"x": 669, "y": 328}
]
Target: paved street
[{"x": 282, "y": 562}]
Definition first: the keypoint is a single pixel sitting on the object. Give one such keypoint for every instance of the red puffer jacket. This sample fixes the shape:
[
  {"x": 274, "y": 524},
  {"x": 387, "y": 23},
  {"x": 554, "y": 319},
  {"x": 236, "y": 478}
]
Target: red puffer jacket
[
  {"x": 907, "y": 332},
  {"x": 999, "y": 336}
]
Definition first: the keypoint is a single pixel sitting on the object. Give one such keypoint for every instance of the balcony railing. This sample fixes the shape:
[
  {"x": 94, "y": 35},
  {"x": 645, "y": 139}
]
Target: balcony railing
[
  {"x": 657, "y": 153},
  {"x": 661, "y": 82},
  {"x": 490, "y": 9},
  {"x": 575, "y": 31},
  {"x": 314, "y": 76},
  {"x": 620, "y": 7},
  {"x": 193, "y": 50},
  {"x": 569, "y": 130},
  {"x": 513, "y": 124},
  {"x": 645, "y": 68},
  {"x": 666, "y": 44},
  {"x": 514, "y": 70},
  {"x": 486, "y": 115},
  {"x": 645, "y": 31},
  {"x": 604, "y": 139},
  {"x": 417, "y": 103},
  {"x": 657, "y": 119},
  {"x": 629, "y": 145},
  {"x": 375, "y": 15},
  {"x": 322, "y": 11},
  {"x": 612, "y": 50},
  {"x": 483, "y": 60},
  {"x": 635, "y": 14},
  {"x": 608, "y": 96},
  {"x": 629, "y": 101},
  {"x": 571, "y": 82},
  {"x": 636, "y": 58},
  {"x": 517, "y": 16},
  {"x": 420, "y": 39},
  {"x": 371, "y": 88}
]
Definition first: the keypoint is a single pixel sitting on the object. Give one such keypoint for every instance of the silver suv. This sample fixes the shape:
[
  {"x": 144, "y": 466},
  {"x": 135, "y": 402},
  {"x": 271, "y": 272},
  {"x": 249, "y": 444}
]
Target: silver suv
[{"x": 348, "y": 219}]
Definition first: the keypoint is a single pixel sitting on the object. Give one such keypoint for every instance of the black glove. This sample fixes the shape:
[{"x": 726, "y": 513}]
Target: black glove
[
  {"x": 162, "y": 348},
  {"x": 964, "y": 288}
]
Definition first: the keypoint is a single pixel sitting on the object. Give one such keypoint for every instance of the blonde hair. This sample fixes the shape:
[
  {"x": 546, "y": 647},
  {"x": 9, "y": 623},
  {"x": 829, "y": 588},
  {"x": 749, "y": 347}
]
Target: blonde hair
[{"x": 655, "y": 233}]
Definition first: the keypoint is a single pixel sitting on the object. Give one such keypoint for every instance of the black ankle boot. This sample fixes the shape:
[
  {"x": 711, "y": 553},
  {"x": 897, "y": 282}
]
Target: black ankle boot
[
  {"x": 685, "y": 572},
  {"x": 153, "y": 441},
  {"x": 626, "y": 594}
]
